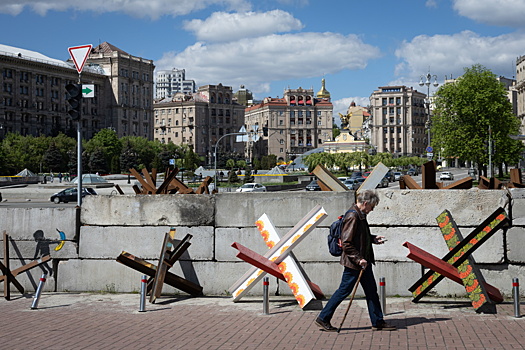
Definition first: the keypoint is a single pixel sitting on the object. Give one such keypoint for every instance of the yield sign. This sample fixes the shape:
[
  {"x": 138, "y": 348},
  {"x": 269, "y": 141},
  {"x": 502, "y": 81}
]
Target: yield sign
[{"x": 79, "y": 54}]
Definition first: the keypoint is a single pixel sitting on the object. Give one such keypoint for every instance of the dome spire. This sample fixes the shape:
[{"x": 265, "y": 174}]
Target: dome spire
[{"x": 323, "y": 93}]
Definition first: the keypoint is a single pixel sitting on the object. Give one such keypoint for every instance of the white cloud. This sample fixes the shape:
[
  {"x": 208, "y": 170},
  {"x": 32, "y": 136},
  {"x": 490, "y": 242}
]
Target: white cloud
[
  {"x": 431, "y": 3},
  {"x": 450, "y": 54},
  {"x": 137, "y": 8},
  {"x": 495, "y": 12},
  {"x": 256, "y": 62},
  {"x": 221, "y": 26}
]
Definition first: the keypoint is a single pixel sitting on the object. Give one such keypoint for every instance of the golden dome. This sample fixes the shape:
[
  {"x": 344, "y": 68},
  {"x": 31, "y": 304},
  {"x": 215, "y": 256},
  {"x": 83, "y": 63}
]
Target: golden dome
[{"x": 323, "y": 93}]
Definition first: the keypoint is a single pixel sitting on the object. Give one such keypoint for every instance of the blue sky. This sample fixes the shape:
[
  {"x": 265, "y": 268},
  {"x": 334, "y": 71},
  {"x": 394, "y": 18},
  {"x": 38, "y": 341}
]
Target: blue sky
[{"x": 269, "y": 46}]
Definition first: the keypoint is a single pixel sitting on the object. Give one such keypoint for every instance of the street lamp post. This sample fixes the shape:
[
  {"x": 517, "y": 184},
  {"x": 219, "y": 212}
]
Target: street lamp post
[
  {"x": 428, "y": 77},
  {"x": 215, "y": 153}
]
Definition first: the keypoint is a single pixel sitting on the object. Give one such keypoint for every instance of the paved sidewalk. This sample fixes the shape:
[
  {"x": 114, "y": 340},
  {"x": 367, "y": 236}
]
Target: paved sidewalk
[{"x": 112, "y": 321}]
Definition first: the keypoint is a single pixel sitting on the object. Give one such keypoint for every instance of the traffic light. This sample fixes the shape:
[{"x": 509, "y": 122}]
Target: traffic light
[{"x": 74, "y": 100}]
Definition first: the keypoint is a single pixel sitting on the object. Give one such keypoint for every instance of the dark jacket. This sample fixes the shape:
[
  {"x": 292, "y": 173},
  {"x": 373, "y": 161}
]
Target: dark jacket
[{"x": 356, "y": 240}]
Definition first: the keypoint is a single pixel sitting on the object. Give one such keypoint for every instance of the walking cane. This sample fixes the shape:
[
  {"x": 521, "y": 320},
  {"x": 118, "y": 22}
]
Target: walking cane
[{"x": 351, "y": 299}]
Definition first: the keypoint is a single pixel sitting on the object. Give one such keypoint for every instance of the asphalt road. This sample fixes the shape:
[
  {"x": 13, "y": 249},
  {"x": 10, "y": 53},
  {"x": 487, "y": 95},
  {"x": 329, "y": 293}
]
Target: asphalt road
[{"x": 38, "y": 195}]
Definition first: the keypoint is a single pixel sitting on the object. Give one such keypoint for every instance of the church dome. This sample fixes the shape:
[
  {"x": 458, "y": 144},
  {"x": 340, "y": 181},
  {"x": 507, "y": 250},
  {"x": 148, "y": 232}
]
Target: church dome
[{"x": 323, "y": 93}]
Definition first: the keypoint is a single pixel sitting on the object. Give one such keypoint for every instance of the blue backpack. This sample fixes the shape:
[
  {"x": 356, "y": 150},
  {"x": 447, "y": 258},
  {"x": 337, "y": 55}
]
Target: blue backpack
[{"x": 335, "y": 247}]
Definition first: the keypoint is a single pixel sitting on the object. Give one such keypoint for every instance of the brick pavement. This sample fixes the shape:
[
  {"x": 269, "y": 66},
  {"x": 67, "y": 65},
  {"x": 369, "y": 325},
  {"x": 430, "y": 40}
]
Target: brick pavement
[{"x": 112, "y": 321}]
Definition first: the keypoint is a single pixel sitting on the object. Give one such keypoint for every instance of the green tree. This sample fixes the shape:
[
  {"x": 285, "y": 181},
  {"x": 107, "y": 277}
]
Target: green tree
[
  {"x": 325, "y": 159},
  {"x": 52, "y": 159},
  {"x": 107, "y": 142},
  {"x": 466, "y": 111},
  {"x": 97, "y": 163},
  {"x": 241, "y": 164},
  {"x": 269, "y": 161},
  {"x": 335, "y": 131},
  {"x": 128, "y": 158},
  {"x": 230, "y": 164}
]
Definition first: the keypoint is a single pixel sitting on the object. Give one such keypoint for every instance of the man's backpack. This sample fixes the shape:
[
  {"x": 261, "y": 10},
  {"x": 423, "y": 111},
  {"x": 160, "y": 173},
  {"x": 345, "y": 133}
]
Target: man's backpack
[{"x": 335, "y": 246}]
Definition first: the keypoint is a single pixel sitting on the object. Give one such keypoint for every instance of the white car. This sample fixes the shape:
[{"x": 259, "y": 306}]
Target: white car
[
  {"x": 251, "y": 187},
  {"x": 446, "y": 175}
]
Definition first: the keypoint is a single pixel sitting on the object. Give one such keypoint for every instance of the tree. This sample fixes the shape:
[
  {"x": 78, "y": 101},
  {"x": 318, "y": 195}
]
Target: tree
[
  {"x": 335, "y": 131},
  {"x": 230, "y": 164},
  {"x": 97, "y": 163},
  {"x": 108, "y": 143},
  {"x": 322, "y": 158},
  {"x": 466, "y": 111},
  {"x": 53, "y": 159}
]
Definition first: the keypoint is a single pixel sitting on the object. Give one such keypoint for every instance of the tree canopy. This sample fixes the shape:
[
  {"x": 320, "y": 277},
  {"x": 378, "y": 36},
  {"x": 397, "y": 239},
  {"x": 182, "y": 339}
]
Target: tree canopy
[{"x": 464, "y": 114}]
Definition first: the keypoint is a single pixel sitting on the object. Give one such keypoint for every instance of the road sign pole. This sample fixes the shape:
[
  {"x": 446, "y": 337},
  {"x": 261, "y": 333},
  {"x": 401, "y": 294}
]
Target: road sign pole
[{"x": 79, "y": 152}]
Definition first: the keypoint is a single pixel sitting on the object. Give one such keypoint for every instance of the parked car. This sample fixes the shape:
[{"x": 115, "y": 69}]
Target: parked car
[
  {"x": 343, "y": 178},
  {"x": 384, "y": 182},
  {"x": 446, "y": 175},
  {"x": 354, "y": 182},
  {"x": 357, "y": 174},
  {"x": 366, "y": 174},
  {"x": 251, "y": 187},
  {"x": 70, "y": 194},
  {"x": 397, "y": 175},
  {"x": 313, "y": 186},
  {"x": 390, "y": 176},
  {"x": 412, "y": 172}
]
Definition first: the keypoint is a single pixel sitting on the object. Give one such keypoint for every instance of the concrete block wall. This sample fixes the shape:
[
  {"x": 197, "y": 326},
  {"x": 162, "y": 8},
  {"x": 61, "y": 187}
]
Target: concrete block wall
[{"x": 137, "y": 224}]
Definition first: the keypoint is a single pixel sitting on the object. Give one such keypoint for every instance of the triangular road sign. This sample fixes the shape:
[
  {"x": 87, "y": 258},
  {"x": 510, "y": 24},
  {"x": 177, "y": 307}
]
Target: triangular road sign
[{"x": 79, "y": 54}]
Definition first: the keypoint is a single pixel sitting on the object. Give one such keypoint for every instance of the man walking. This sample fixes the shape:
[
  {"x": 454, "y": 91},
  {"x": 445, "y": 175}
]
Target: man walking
[{"x": 357, "y": 254}]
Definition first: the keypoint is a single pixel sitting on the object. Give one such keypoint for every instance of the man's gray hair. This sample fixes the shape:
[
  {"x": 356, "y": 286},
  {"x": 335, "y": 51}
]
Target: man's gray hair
[{"x": 369, "y": 196}]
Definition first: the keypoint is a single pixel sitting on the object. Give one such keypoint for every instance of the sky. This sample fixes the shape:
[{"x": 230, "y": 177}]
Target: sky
[{"x": 272, "y": 45}]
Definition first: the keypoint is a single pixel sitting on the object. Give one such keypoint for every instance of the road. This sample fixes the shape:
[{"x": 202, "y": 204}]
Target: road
[{"x": 38, "y": 195}]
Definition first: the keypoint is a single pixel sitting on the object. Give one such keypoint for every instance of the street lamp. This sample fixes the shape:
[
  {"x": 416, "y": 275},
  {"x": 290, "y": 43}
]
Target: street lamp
[
  {"x": 215, "y": 154},
  {"x": 427, "y": 83}
]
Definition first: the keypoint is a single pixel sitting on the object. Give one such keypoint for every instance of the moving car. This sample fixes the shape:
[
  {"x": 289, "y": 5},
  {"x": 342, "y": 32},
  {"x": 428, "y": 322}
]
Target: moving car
[
  {"x": 251, "y": 187},
  {"x": 313, "y": 186},
  {"x": 446, "y": 175},
  {"x": 397, "y": 175},
  {"x": 70, "y": 194}
]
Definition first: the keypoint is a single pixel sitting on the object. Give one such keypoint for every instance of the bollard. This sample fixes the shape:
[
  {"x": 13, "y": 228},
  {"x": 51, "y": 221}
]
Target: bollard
[
  {"x": 266, "y": 296},
  {"x": 516, "y": 294},
  {"x": 36, "y": 298},
  {"x": 382, "y": 294},
  {"x": 143, "y": 284}
]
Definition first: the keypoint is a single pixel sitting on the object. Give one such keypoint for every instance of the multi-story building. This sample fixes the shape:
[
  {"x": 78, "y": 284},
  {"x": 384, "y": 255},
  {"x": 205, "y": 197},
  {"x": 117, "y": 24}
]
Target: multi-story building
[
  {"x": 520, "y": 88},
  {"x": 398, "y": 121},
  {"x": 170, "y": 82},
  {"x": 33, "y": 96},
  {"x": 243, "y": 96},
  {"x": 294, "y": 124},
  {"x": 200, "y": 120},
  {"x": 131, "y": 81}
]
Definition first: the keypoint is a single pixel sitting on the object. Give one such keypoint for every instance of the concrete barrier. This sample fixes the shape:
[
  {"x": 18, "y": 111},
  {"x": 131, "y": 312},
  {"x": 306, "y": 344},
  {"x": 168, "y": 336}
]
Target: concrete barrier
[{"x": 136, "y": 224}]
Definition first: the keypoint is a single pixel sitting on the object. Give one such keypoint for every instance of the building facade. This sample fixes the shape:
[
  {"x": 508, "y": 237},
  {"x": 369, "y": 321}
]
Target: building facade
[
  {"x": 131, "y": 82},
  {"x": 520, "y": 91},
  {"x": 170, "y": 82},
  {"x": 290, "y": 126},
  {"x": 33, "y": 96},
  {"x": 397, "y": 124},
  {"x": 200, "y": 120}
]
